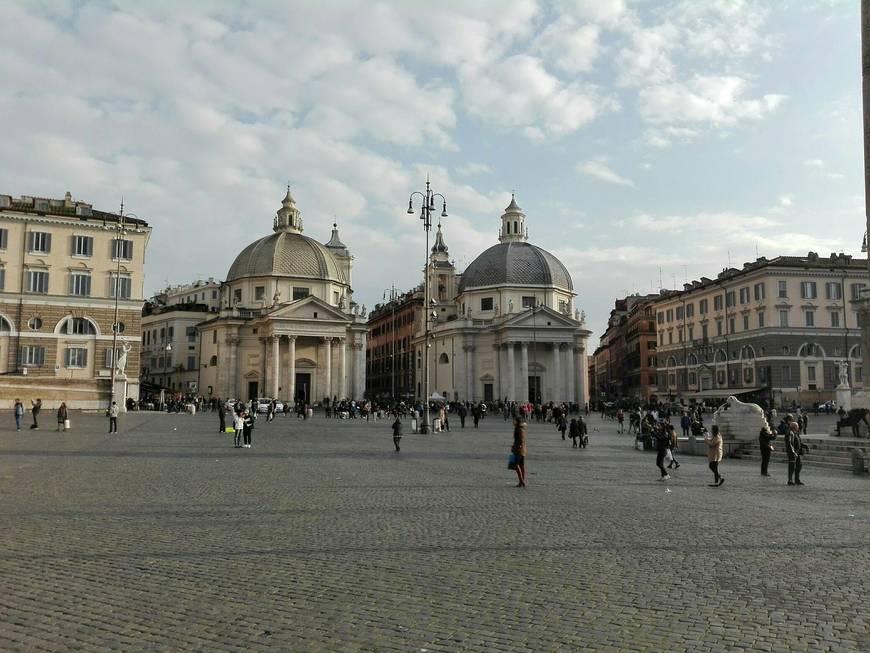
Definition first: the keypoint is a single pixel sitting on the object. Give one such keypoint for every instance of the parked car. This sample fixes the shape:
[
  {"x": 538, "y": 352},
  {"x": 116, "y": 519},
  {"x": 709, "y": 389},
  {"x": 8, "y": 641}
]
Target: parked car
[{"x": 263, "y": 404}]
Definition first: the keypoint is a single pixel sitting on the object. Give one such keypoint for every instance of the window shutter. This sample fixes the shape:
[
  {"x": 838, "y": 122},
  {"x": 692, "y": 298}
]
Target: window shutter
[
  {"x": 30, "y": 241},
  {"x": 48, "y": 243},
  {"x": 84, "y": 357}
]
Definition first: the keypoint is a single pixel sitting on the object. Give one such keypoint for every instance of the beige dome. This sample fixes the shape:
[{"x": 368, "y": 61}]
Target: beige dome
[{"x": 286, "y": 254}]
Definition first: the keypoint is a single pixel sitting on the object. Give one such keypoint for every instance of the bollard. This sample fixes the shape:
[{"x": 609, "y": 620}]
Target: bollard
[{"x": 858, "y": 458}]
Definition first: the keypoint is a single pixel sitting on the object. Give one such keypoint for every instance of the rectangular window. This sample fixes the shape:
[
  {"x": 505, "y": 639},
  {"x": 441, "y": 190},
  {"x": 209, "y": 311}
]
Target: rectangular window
[
  {"x": 833, "y": 290},
  {"x": 191, "y": 333},
  {"x": 744, "y": 295},
  {"x": 32, "y": 355},
  {"x": 110, "y": 359},
  {"x": 335, "y": 297},
  {"x": 82, "y": 246},
  {"x": 718, "y": 327},
  {"x": 717, "y": 303},
  {"x": 669, "y": 315},
  {"x": 670, "y": 337},
  {"x": 486, "y": 304},
  {"x": 80, "y": 284},
  {"x": 679, "y": 312},
  {"x": 170, "y": 332},
  {"x": 690, "y": 310},
  {"x": 300, "y": 293},
  {"x": 39, "y": 242},
  {"x": 730, "y": 298},
  {"x": 4, "y": 238},
  {"x": 2, "y": 278},
  {"x": 786, "y": 373},
  {"x": 122, "y": 249},
  {"x": 810, "y": 318},
  {"x": 811, "y": 372},
  {"x": 704, "y": 332},
  {"x": 783, "y": 318},
  {"x": 528, "y": 302},
  {"x": 76, "y": 357},
  {"x": 259, "y": 293},
  {"x": 37, "y": 281},
  {"x": 237, "y": 296},
  {"x": 758, "y": 290},
  {"x": 214, "y": 337},
  {"x": 213, "y": 294},
  {"x": 856, "y": 290},
  {"x": 808, "y": 289},
  {"x": 761, "y": 319},
  {"x": 782, "y": 289},
  {"x": 122, "y": 286},
  {"x": 746, "y": 323},
  {"x": 661, "y": 317},
  {"x": 191, "y": 363},
  {"x": 731, "y": 328},
  {"x": 702, "y": 306},
  {"x": 680, "y": 335},
  {"x": 835, "y": 318},
  {"x": 691, "y": 335}
]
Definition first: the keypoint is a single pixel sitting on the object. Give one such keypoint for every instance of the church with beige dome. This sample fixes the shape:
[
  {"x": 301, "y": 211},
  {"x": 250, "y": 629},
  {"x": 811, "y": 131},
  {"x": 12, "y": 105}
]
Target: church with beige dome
[{"x": 288, "y": 327}]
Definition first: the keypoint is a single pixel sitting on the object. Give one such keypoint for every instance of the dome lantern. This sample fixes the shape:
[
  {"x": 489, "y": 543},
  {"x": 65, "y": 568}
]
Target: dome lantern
[
  {"x": 513, "y": 224},
  {"x": 288, "y": 218}
]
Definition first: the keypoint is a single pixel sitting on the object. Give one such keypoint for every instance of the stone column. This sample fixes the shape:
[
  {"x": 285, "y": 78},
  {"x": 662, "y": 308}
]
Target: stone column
[
  {"x": 572, "y": 373},
  {"x": 511, "y": 371},
  {"x": 496, "y": 383},
  {"x": 291, "y": 370},
  {"x": 275, "y": 344},
  {"x": 233, "y": 389},
  {"x": 582, "y": 390},
  {"x": 524, "y": 372},
  {"x": 557, "y": 371},
  {"x": 359, "y": 367},
  {"x": 327, "y": 368},
  {"x": 466, "y": 360},
  {"x": 342, "y": 374}
]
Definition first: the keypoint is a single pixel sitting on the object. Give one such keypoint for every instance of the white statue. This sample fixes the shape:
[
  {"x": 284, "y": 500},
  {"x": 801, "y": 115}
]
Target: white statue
[
  {"x": 844, "y": 372},
  {"x": 510, "y": 306},
  {"x": 342, "y": 302},
  {"x": 362, "y": 312},
  {"x": 276, "y": 298},
  {"x": 121, "y": 363},
  {"x": 582, "y": 317}
]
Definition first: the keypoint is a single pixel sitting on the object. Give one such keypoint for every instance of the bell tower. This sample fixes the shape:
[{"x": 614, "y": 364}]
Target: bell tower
[
  {"x": 513, "y": 224},
  {"x": 288, "y": 218}
]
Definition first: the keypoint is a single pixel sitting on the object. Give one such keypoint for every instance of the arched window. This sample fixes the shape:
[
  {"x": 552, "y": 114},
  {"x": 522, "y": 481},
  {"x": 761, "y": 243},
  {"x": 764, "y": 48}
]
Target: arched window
[
  {"x": 516, "y": 231},
  {"x": 747, "y": 352},
  {"x": 692, "y": 360},
  {"x": 811, "y": 350},
  {"x": 721, "y": 356},
  {"x": 5, "y": 326},
  {"x": 213, "y": 361},
  {"x": 79, "y": 326},
  {"x": 443, "y": 359}
]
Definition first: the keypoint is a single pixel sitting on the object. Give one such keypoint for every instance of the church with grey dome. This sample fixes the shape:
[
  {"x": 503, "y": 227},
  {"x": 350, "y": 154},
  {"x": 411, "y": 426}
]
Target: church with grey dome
[
  {"x": 507, "y": 327},
  {"x": 288, "y": 327}
]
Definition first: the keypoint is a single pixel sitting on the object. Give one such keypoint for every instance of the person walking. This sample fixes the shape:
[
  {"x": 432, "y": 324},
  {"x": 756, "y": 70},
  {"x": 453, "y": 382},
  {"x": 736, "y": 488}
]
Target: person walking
[
  {"x": 519, "y": 449},
  {"x": 765, "y": 437},
  {"x": 584, "y": 431},
  {"x": 222, "y": 428},
  {"x": 36, "y": 406},
  {"x": 574, "y": 432},
  {"x": 674, "y": 443},
  {"x": 113, "y": 417},
  {"x": 663, "y": 442},
  {"x": 794, "y": 450},
  {"x": 463, "y": 413},
  {"x": 397, "y": 432},
  {"x": 18, "y": 410},
  {"x": 62, "y": 416},
  {"x": 714, "y": 455},
  {"x": 248, "y": 428},
  {"x": 563, "y": 425},
  {"x": 239, "y": 428},
  {"x": 620, "y": 418}
]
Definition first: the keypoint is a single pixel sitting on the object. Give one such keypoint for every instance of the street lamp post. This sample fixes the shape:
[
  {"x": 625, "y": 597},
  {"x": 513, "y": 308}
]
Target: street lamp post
[
  {"x": 426, "y": 209},
  {"x": 120, "y": 231}
]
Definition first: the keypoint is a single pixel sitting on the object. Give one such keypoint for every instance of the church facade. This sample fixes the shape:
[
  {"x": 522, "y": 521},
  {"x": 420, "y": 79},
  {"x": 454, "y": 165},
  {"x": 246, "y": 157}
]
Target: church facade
[
  {"x": 506, "y": 328},
  {"x": 288, "y": 327}
]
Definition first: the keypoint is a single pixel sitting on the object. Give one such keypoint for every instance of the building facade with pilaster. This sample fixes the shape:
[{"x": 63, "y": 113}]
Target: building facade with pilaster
[
  {"x": 506, "y": 328},
  {"x": 287, "y": 327}
]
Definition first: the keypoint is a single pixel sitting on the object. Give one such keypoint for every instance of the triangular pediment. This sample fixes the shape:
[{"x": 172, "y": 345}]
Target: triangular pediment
[
  {"x": 309, "y": 308},
  {"x": 540, "y": 319}
]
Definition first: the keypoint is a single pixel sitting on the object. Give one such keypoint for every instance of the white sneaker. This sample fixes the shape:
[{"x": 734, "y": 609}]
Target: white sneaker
[{"x": 666, "y": 477}]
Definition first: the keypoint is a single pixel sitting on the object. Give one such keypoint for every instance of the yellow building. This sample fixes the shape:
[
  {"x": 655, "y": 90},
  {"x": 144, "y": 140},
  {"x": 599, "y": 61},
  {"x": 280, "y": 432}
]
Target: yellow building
[{"x": 61, "y": 263}]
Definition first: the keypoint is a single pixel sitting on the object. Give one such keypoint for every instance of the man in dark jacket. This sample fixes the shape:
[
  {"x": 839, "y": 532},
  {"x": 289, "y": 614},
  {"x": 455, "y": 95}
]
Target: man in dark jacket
[
  {"x": 793, "y": 444},
  {"x": 663, "y": 443},
  {"x": 765, "y": 437}
]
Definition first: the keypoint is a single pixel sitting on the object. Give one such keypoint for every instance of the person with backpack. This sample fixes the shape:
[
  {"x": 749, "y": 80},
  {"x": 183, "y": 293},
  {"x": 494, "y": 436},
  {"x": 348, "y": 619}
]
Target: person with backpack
[{"x": 663, "y": 443}]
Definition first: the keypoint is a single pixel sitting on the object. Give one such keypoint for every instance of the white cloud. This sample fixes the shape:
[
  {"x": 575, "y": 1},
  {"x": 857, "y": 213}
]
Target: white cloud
[
  {"x": 718, "y": 100},
  {"x": 572, "y": 48},
  {"x": 471, "y": 168},
  {"x": 785, "y": 200},
  {"x": 722, "y": 221},
  {"x": 603, "y": 172},
  {"x": 814, "y": 163}
]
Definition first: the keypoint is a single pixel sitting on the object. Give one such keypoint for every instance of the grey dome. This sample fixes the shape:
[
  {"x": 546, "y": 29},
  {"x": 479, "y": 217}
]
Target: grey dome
[
  {"x": 515, "y": 263},
  {"x": 286, "y": 254}
]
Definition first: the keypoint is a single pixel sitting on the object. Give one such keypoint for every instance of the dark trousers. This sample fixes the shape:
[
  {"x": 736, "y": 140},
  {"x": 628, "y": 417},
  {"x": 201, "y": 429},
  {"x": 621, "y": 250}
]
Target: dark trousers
[
  {"x": 462, "y": 421},
  {"x": 113, "y": 424},
  {"x": 248, "y": 436},
  {"x": 223, "y": 421},
  {"x": 794, "y": 469},
  {"x": 660, "y": 461},
  {"x": 714, "y": 467},
  {"x": 765, "y": 460}
]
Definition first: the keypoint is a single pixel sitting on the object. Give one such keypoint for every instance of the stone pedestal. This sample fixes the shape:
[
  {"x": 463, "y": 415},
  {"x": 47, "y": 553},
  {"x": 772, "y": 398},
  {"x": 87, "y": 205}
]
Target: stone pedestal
[
  {"x": 121, "y": 392},
  {"x": 844, "y": 397}
]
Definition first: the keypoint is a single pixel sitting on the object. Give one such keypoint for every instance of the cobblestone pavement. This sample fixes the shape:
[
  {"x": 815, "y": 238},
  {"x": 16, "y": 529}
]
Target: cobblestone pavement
[{"x": 321, "y": 538}]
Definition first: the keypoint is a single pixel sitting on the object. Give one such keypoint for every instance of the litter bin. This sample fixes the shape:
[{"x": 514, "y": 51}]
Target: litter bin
[{"x": 414, "y": 424}]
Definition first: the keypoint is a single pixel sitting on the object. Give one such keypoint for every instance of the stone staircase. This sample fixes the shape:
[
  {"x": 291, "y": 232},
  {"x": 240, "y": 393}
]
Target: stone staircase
[{"x": 833, "y": 453}]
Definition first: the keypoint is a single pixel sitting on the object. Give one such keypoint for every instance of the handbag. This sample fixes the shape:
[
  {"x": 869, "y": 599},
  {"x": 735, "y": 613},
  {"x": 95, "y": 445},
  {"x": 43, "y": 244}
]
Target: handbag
[
  {"x": 804, "y": 449},
  {"x": 512, "y": 461},
  {"x": 669, "y": 456}
]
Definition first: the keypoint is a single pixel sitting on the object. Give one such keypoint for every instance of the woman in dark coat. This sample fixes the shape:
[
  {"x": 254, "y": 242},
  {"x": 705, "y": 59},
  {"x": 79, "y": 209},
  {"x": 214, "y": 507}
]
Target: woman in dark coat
[
  {"x": 519, "y": 448},
  {"x": 397, "y": 433}
]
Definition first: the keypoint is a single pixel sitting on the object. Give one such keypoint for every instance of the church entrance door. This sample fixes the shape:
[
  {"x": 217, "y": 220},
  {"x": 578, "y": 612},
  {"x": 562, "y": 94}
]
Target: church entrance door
[
  {"x": 253, "y": 388},
  {"x": 534, "y": 389},
  {"x": 303, "y": 387}
]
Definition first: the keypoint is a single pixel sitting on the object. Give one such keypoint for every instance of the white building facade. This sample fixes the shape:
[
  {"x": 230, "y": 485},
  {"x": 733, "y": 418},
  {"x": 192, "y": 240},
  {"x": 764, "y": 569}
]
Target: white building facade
[{"x": 506, "y": 328}]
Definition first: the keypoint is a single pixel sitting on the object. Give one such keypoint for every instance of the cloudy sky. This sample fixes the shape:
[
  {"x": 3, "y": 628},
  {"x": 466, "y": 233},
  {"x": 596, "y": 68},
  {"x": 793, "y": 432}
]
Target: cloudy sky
[{"x": 639, "y": 136}]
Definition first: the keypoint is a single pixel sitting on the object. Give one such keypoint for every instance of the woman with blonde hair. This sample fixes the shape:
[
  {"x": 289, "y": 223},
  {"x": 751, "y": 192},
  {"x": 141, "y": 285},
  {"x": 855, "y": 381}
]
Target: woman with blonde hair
[{"x": 714, "y": 455}]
